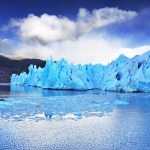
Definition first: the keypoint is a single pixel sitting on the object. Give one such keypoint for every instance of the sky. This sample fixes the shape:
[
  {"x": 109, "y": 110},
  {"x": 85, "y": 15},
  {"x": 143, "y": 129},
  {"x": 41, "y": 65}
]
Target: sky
[{"x": 81, "y": 31}]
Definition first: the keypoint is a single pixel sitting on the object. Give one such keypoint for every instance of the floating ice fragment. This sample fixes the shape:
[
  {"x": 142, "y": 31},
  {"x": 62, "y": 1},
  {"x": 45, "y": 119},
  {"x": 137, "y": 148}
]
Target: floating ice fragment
[
  {"x": 69, "y": 116},
  {"x": 107, "y": 103},
  {"x": 5, "y": 104},
  {"x": 119, "y": 102}
]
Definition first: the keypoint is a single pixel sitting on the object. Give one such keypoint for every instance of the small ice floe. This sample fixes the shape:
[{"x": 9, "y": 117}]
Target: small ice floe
[
  {"x": 36, "y": 117},
  {"x": 56, "y": 117},
  {"x": 107, "y": 103},
  {"x": 4, "y": 104},
  {"x": 70, "y": 116},
  {"x": 119, "y": 102}
]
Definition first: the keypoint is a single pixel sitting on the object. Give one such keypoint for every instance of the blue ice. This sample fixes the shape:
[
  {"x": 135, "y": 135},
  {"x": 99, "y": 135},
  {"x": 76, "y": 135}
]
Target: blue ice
[{"x": 123, "y": 74}]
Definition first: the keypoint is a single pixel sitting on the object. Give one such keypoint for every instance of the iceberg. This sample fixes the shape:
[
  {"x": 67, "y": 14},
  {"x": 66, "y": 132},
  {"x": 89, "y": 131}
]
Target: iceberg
[
  {"x": 60, "y": 75},
  {"x": 123, "y": 74}
]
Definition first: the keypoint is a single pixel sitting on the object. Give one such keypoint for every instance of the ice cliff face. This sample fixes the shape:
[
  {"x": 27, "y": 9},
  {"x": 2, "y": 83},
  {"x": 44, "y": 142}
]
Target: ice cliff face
[
  {"x": 60, "y": 75},
  {"x": 122, "y": 74}
]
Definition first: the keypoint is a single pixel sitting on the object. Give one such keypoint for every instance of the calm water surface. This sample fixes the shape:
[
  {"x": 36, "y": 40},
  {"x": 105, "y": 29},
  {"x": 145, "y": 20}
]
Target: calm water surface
[{"x": 34, "y": 118}]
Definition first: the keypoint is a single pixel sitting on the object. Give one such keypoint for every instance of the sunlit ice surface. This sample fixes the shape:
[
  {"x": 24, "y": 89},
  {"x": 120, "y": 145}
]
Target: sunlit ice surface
[{"x": 34, "y": 118}]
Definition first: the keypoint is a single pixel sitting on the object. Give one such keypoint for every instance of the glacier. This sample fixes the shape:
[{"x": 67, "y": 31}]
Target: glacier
[{"x": 123, "y": 75}]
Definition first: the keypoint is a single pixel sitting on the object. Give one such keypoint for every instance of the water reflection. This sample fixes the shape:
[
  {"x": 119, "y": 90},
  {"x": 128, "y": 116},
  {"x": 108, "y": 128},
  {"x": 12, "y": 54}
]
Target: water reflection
[
  {"x": 33, "y": 118},
  {"x": 4, "y": 90},
  {"x": 48, "y": 92}
]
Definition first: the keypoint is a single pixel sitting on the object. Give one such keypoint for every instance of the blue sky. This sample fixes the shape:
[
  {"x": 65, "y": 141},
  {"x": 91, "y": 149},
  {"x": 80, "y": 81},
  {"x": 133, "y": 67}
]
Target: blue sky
[{"x": 84, "y": 31}]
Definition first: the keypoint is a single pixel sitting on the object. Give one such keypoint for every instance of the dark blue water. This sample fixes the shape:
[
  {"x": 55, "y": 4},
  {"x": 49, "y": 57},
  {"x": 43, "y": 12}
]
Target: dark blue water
[{"x": 34, "y": 118}]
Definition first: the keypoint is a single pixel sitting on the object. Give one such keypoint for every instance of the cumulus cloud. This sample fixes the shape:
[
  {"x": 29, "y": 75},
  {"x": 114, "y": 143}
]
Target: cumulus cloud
[
  {"x": 50, "y": 28},
  {"x": 56, "y": 36}
]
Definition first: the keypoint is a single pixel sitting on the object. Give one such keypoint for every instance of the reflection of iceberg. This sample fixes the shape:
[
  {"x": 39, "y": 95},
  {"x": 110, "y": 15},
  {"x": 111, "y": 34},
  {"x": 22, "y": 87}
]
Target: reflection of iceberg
[
  {"x": 122, "y": 74},
  {"x": 30, "y": 90},
  {"x": 24, "y": 89}
]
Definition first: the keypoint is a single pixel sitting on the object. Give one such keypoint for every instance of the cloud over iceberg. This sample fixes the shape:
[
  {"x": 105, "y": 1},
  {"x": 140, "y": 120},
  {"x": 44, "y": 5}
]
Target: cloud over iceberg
[{"x": 50, "y": 28}]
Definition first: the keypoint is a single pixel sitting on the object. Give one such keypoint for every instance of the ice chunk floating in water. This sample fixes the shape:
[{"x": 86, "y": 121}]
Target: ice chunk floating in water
[
  {"x": 4, "y": 104},
  {"x": 58, "y": 107},
  {"x": 122, "y": 74},
  {"x": 118, "y": 102}
]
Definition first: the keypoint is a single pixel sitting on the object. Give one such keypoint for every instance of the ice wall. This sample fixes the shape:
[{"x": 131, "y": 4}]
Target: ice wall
[
  {"x": 60, "y": 75},
  {"x": 122, "y": 74},
  {"x": 129, "y": 75}
]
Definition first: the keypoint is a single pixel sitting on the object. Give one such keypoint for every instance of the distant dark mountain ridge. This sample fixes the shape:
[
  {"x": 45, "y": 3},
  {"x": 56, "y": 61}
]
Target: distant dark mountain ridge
[{"x": 9, "y": 66}]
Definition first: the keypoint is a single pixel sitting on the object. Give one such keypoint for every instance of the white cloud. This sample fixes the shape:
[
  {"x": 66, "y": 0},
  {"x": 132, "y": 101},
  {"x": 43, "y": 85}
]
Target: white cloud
[
  {"x": 5, "y": 42},
  {"x": 6, "y": 46},
  {"x": 86, "y": 49},
  {"x": 50, "y": 28},
  {"x": 62, "y": 37}
]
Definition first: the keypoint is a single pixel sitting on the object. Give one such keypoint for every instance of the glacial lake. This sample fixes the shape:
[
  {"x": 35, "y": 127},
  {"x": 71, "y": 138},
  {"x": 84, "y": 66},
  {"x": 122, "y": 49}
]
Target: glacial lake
[{"x": 39, "y": 119}]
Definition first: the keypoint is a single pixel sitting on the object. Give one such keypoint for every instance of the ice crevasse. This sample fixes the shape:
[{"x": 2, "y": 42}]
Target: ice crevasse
[{"x": 123, "y": 74}]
